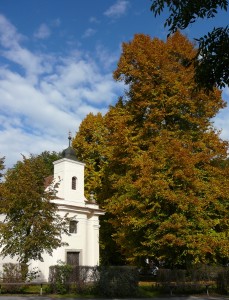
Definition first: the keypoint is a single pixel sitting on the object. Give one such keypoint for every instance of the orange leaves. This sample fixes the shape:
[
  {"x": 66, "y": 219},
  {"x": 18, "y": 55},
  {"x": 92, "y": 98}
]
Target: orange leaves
[
  {"x": 160, "y": 81},
  {"x": 165, "y": 181}
]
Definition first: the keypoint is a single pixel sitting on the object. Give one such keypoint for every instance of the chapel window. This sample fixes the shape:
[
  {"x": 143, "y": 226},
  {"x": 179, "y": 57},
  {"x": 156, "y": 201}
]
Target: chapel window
[
  {"x": 74, "y": 182},
  {"x": 73, "y": 226}
]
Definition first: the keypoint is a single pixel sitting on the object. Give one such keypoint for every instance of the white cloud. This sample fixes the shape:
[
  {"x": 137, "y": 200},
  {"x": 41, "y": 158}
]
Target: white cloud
[
  {"x": 10, "y": 41},
  {"x": 9, "y": 37},
  {"x": 43, "y": 97},
  {"x": 43, "y": 32},
  {"x": 56, "y": 23},
  {"x": 105, "y": 57},
  {"x": 117, "y": 10},
  {"x": 94, "y": 20},
  {"x": 89, "y": 32}
]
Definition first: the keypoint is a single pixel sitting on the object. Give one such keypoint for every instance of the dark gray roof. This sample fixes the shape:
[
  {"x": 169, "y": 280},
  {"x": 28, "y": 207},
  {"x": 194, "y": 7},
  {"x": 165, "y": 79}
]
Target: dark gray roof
[{"x": 69, "y": 153}]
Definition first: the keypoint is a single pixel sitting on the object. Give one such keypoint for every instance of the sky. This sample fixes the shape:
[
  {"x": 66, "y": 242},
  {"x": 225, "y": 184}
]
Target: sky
[{"x": 56, "y": 64}]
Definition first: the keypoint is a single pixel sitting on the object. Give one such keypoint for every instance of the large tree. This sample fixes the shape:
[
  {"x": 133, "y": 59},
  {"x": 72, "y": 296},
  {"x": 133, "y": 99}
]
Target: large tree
[
  {"x": 48, "y": 159},
  {"x": 31, "y": 225},
  {"x": 212, "y": 58},
  {"x": 165, "y": 181},
  {"x": 2, "y": 167},
  {"x": 91, "y": 147}
]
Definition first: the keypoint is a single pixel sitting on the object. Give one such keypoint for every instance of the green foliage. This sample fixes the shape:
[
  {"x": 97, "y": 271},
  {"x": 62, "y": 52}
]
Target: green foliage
[
  {"x": 88, "y": 144},
  {"x": 59, "y": 276},
  {"x": 2, "y": 167},
  {"x": 32, "y": 224},
  {"x": 85, "y": 279},
  {"x": 12, "y": 273},
  {"x": 196, "y": 274},
  {"x": 147, "y": 290},
  {"x": 199, "y": 278},
  {"x": 118, "y": 282},
  {"x": 48, "y": 159},
  {"x": 186, "y": 12},
  {"x": 223, "y": 281},
  {"x": 212, "y": 60},
  {"x": 64, "y": 278},
  {"x": 103, "y": 281},
  {"x": 167, "y": 202}
]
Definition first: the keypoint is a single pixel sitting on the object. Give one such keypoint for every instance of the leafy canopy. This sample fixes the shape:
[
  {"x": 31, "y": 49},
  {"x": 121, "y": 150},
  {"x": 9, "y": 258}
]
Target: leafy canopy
[
  {"x": 90, "y": 144},
  {"x": 2, "y": 166},
  {"x": 212, "y": 59},
  {"x": 161, "y": 185},
  {"x": 31, "y": 225}
]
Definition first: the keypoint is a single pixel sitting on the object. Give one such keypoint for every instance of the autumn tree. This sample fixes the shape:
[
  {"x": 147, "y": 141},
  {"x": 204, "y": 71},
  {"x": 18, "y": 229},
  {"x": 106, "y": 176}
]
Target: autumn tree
[
  {"x": 212, "y": 58},
  {"x": 165, "y": 172},
  {"x": 31, "y": 224},
  {"x": 2, "y": 166},
  {"x": 171, "y": 196},
  {"x": 90, "y": 144},
  {"x": 48, "y": 159}
]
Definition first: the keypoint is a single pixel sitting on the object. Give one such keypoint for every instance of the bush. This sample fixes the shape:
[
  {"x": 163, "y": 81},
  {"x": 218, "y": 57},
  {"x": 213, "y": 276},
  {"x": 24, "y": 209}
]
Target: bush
[
  {"x": 59, "y": 276},
  {"x": 203, "y": 272},
  {"x": 64, "y": 278},
  {"x": 168, "y": 275},
  {"x": 85, "y": 278},
  {"x": 223, "y": 281},
  {"x": 12, "y": 273},
  {"x": 118, "y": 281}
]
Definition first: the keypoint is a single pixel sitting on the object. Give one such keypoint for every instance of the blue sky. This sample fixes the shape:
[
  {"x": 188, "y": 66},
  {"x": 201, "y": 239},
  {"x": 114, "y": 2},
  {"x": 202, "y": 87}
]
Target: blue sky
[{"x": 56, "y": 64}]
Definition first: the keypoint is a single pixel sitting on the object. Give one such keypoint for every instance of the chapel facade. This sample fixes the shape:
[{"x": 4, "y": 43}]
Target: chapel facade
[{"x": 83, "y": 238}]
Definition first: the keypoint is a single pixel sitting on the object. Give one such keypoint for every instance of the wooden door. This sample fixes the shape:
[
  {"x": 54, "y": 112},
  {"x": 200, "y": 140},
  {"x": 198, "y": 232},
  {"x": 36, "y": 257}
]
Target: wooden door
[{"x": 73, "y": 258}]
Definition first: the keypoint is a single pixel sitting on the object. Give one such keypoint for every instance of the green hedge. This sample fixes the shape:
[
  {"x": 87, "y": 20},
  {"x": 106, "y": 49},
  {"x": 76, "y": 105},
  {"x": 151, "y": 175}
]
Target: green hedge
[
  {"x": 118, "y": 281},
  {"x": 103, "y": 281}
]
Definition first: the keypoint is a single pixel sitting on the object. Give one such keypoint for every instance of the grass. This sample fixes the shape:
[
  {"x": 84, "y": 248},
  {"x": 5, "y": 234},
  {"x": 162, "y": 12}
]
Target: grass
[{"x": 145, "y": 290}]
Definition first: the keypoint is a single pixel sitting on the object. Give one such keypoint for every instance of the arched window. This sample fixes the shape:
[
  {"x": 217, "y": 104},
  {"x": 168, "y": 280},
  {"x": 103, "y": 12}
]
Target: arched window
[
  {"x": 73, "y": 226},
  {"x": 74, "y": 182}
]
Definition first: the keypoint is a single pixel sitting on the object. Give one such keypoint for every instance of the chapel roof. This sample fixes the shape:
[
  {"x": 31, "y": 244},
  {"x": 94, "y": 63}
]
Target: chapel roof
[
  {"x": 69, "y": 152},
  {"x": 48, "y": 180}
]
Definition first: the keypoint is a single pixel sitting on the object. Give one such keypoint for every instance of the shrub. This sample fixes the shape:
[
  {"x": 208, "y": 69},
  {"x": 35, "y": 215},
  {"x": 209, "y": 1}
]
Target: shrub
[
  {"x": 12, "y": 273},
  {"x": 85, "y": 278},
  {"x": 203, "y": 272},
  {"x": 118, "y": 281},
  {"x": 64, "y": 278},
  {"x": 166, "y": 276},
  {"x": 223, "y": 281},
  {"x": 59, "y": 278}
]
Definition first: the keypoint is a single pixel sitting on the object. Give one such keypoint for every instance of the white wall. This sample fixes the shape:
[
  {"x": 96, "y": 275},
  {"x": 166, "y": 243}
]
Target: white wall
[
  {"x": 64, "y": 170},
  {"x": 73, "y": 202}
]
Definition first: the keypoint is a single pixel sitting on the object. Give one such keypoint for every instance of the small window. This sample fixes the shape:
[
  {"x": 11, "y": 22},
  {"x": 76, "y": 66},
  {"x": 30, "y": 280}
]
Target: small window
[
  {"x": 74, "y": 181},
  {"x": 73, "y": 226}
]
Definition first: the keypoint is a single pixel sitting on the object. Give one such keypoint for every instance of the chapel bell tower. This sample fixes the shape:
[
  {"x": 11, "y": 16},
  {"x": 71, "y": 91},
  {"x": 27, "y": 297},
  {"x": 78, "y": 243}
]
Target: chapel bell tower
[{"x": 69, "y": 175}]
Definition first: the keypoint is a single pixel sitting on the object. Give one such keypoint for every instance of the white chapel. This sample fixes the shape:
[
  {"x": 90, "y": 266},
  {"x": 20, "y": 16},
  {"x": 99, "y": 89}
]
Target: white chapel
[{"x": 83, "y": 241}]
